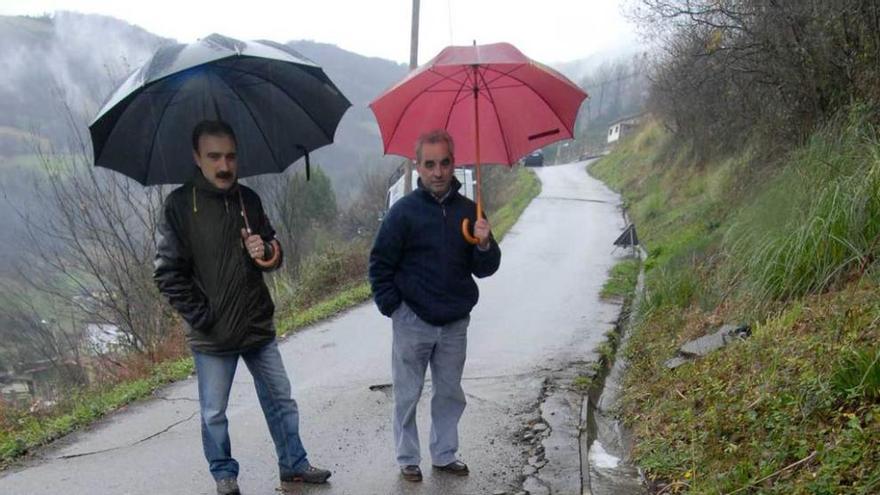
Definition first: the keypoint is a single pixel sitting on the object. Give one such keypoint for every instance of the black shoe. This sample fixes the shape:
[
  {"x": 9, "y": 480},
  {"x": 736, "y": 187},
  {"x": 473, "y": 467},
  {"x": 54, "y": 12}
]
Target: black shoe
[
  {"x": 228, "y": 486},
  {"x": 457, "y": 468},
  {"x": 411, "y": 472},
  {"x": 310, "y": 475}
]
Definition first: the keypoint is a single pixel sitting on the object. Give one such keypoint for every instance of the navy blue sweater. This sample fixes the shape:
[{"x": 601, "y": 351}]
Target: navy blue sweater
[{"x": 419, "y": 256}]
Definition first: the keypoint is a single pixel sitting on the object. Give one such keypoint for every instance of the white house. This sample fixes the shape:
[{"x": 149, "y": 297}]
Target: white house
[
  {"x": 623, "y": 127},
  {"x": 103, "y": 338}
]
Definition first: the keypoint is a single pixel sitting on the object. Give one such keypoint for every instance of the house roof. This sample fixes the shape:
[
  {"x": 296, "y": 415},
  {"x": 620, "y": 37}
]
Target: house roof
[{"x": 628, "y": 117}]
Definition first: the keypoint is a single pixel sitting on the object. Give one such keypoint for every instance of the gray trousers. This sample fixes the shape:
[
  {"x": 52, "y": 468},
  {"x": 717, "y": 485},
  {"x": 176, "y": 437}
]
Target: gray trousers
[{"x": 416, "y": 344}]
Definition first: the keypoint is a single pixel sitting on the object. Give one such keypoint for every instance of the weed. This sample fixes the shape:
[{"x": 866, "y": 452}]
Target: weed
[
  {"x": 582, "y": 383},
  {"x": 858, "y": 375},
  {"x": 622, "y": 279}
]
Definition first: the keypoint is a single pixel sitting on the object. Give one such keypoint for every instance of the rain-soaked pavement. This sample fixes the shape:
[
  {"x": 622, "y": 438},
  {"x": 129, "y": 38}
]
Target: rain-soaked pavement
[{"x": 538, "y": 314}]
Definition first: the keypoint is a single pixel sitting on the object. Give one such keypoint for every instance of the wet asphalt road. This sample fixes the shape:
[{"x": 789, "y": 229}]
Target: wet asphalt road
[{"x": 539, "y": 312}]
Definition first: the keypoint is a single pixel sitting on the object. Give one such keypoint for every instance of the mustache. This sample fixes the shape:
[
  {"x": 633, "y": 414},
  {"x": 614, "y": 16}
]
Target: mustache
[{"x": 224, "y": 175}]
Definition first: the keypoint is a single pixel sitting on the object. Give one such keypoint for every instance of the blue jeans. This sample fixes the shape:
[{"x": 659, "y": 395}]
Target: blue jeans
[
  {"x": 215, "y": 374},
  {"x": 416, "y": 345}
]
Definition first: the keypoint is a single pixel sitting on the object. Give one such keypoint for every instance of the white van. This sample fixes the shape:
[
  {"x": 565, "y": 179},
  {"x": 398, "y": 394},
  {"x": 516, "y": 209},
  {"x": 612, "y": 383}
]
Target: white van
[{"x": 464, "y": 175}]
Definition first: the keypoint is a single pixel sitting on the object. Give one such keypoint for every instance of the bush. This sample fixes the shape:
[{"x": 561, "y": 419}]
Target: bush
[
  {"x": 329, "y": 271},
  {"x": 824, "y": 215},
  {"x": 728, "y": 71}
]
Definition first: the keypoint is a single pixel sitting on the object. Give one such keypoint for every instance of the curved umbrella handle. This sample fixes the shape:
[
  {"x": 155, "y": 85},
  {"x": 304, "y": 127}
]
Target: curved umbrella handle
[
  {"x": 466, "y": 223},
  {"x": 276, "y": 253},
  {"x": 276, "y": 246},
  {"x": 466, "y": 232}
]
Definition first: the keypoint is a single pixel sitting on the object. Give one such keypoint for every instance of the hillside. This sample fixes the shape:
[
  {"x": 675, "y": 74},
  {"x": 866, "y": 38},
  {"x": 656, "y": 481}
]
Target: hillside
[
  {"x": 787, "y": 243},
  {"x": 77, "y": 59}
]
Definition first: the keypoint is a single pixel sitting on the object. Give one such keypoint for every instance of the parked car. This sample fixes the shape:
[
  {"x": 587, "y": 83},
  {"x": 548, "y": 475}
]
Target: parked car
[{"x": 535, "y": 159}]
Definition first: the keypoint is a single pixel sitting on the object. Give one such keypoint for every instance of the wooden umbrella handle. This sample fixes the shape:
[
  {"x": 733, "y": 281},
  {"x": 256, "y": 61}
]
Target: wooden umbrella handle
[
  {"x": 276, "y": 246},
  {"x": 466, "y": 232},
  {"x": 466, "y": 226},
  {"x": 276, "y": 253}
]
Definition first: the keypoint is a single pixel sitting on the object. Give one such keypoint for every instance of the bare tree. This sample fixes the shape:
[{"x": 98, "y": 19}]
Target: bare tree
[
  {"x": 91, "y": 247},
  {"x": 301, "y": 210},
  {"x": 361, "y": 218},
  {"x": 729, "y": 69}
]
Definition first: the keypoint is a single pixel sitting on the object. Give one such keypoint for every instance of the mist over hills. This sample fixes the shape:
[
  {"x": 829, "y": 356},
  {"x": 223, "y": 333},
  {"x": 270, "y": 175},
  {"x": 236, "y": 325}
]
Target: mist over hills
[
  {"x": 73, "y": 61},
  {"x": 77, "y": 59}
]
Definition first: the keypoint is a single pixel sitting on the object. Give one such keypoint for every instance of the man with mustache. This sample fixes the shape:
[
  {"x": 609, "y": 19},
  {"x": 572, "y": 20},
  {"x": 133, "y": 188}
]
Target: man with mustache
[
  {"x": 421, "y": 272},
  {"x": 209, "y": 266}
]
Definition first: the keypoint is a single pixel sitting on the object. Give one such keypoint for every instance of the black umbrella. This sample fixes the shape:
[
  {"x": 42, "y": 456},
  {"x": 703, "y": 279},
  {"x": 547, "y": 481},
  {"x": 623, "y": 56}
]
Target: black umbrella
[{"x": 280, "y": 104}]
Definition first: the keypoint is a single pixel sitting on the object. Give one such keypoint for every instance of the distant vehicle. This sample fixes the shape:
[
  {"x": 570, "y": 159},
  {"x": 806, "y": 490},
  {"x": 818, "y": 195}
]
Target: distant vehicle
[
  {"x": 464, "y": 175},
  {"x": 535, "y": 159}
]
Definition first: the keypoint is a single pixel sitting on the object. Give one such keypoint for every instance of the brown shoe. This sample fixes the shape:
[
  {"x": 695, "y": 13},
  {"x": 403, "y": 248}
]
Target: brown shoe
[
  {"x": 457, "y": 468},
  {"x": 411, "y": 472}
]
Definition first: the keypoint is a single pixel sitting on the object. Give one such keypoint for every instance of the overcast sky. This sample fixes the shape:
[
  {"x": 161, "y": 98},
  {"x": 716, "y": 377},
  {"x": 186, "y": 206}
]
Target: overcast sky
[{"x": 546, "y": 30}]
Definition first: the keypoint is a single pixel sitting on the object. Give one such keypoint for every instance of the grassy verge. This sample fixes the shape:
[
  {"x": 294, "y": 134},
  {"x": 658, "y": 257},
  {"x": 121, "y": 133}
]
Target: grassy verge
[
  {"x": 21, "y": 432},
  {"x": 347, "y": 298},
  {"x": 524, "y": 189},
  {"x": 789, "y": 245},
  {"x": 24, "y": 432},
  {"x": 620, "y": 286},
  {"x": 622, "y": 279}
]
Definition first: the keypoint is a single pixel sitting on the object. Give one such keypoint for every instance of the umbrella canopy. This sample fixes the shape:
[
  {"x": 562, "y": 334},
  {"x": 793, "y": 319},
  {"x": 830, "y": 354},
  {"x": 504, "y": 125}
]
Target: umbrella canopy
[
  {"x": 280, "y": 104},
  {"x": 522, "y": 105},
  {"x": 496, "y": 103}
]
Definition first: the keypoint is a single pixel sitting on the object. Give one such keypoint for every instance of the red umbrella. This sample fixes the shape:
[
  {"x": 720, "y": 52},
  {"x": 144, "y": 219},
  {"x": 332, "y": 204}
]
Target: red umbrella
[{"x": 497, "y": 104}]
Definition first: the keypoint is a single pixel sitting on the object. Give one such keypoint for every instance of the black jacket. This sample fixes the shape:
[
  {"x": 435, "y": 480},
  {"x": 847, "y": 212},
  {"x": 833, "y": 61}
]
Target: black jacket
[
  {"x": 419, "y": 256},
  {"x": 204, "y": 271}
]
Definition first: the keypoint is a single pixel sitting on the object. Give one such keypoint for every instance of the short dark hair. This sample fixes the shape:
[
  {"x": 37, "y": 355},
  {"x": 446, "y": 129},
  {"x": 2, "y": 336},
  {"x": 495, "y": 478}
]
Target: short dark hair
[
  {"x": 211, "y": 128},
  {"x": 434, "y": 137}
]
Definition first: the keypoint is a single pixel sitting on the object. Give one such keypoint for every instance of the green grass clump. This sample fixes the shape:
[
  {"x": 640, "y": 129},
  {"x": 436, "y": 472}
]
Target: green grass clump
[
  {"x": 622, "y": 279},
  {"x": 857, "y": 375},
  {"x": 582, "y": 383},
  {"x": 818, "y": 221}
]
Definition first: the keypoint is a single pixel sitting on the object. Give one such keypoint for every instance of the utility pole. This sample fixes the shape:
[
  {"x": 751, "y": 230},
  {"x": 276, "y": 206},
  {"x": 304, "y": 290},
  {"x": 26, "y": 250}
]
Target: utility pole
[{"x": 413, "y": 63}]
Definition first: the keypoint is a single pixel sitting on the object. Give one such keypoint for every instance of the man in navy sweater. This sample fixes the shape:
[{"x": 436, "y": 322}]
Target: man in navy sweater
[{"x": 421, "y": 272}]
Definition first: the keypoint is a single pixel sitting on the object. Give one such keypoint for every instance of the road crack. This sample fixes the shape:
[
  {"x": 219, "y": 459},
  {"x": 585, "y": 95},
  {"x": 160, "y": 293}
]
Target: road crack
[
  {"x": 178, "y": 399},
  {"x": 142, "y": 440},
  {"x": 583, "y": 200}
]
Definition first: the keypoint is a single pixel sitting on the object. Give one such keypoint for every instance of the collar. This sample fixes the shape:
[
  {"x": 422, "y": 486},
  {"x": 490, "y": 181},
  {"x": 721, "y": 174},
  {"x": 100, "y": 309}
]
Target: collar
[{"x": 454, "y": 186}]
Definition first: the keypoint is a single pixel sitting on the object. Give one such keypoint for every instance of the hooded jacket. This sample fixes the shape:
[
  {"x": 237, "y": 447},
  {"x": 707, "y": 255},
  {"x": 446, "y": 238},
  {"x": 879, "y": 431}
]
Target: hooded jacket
[
  {"x": 205, "y": 272},
  {"x": 420, "y": 257}
]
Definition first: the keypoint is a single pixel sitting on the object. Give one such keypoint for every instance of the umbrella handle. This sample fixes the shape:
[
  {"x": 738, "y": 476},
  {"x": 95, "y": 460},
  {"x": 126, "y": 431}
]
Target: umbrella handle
[
  {"x": 466, "y": 225},
  {"x": 276, "y": 246},
  {"x": 466, "y": 232},
  {"x": 276, "y": 253}
]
